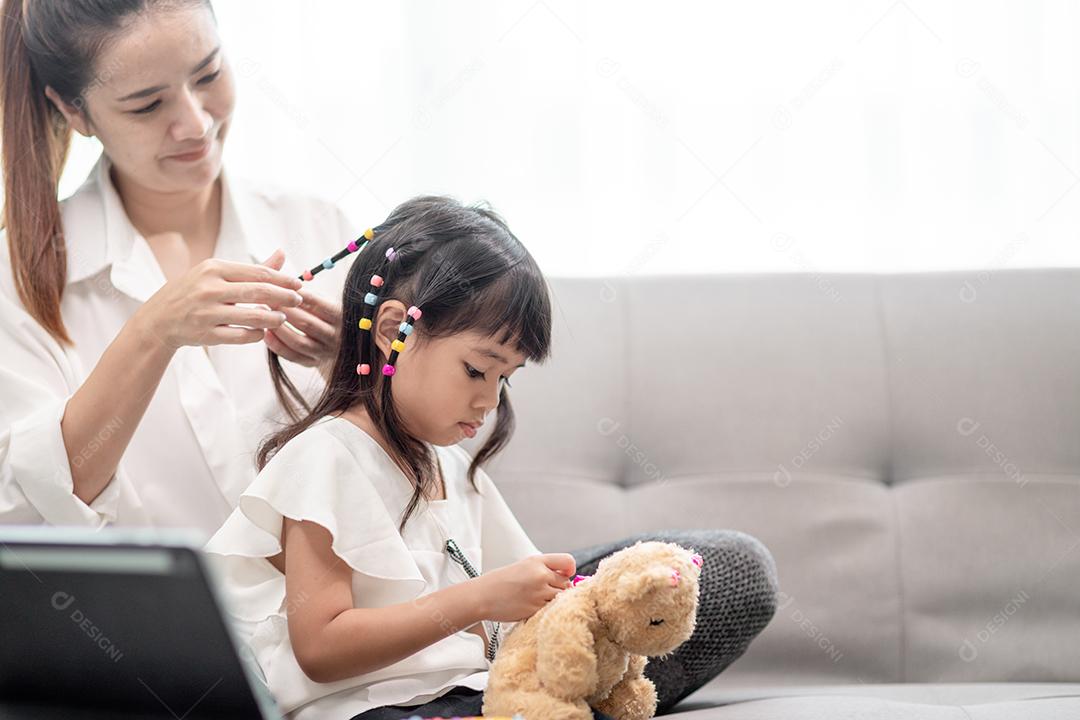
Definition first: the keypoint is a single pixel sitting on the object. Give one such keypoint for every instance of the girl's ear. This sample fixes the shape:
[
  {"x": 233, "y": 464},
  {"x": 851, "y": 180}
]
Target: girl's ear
[{"x": 387, "y": 322}]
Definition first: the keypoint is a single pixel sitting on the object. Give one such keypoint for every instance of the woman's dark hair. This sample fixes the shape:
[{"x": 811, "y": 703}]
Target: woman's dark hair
[
  {"x": 468, "y": 273},
  {"x": 54, "y": 43}
]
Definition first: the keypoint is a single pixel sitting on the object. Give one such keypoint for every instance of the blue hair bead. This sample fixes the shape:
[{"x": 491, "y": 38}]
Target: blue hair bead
[
  {"x": 405, "y": 328},
  {"x": 328, "y": 263},
  {"x": 370, "y": 298}
]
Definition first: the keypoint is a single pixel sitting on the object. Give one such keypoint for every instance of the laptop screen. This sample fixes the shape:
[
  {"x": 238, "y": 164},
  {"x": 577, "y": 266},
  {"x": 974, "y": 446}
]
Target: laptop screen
[{"x": 118, "y": 621}]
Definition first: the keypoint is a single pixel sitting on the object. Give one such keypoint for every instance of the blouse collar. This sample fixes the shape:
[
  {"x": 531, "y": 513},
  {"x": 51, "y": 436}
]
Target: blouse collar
[{"x": 112, "y": 241}]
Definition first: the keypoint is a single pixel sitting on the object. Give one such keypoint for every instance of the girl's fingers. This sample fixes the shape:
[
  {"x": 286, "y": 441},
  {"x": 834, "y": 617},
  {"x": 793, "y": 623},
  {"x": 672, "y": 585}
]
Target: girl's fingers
[
  {"x": 279, "y": 348},
  {"x": 559, "y": 582},
  {"x": 327, "y": 310},
  {"x": 312, "y": 326}
]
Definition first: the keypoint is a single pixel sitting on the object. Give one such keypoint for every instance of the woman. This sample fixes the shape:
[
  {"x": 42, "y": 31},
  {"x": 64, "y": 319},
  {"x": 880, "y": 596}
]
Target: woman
[{"x": 129, "y": 392}]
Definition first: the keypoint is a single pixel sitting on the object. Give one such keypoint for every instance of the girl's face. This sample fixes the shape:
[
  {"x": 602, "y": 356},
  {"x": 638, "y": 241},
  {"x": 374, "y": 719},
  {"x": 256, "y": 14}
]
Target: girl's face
[
  {"x": 440, "y": 384},
  {"x": 160, "y": 100}
]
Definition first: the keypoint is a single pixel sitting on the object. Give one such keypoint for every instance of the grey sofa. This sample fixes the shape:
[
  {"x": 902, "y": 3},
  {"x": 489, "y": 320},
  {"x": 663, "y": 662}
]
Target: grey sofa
[{"x": 907, "y": 446}]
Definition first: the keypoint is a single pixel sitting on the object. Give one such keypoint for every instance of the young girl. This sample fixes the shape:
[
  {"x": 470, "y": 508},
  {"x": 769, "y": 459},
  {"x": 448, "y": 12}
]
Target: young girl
[{"x": 373, "y": 565}]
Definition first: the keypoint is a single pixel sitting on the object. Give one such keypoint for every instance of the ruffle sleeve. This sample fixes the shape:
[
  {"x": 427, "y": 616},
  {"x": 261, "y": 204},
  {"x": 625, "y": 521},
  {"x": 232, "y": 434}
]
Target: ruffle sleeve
[{"x": 314, "y": 477}]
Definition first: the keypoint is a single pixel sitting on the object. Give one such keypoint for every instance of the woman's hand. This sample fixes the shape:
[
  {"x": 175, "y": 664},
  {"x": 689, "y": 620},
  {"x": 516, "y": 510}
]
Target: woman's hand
[
  {"x": 318, "y": 321},
  {"x": 205, "y": 305},
  {"x": 515, "y": 592}
]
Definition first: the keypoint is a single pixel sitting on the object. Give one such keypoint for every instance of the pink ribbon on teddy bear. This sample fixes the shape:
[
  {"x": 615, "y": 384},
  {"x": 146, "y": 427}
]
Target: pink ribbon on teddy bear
[{"x": 695, "y": 558}]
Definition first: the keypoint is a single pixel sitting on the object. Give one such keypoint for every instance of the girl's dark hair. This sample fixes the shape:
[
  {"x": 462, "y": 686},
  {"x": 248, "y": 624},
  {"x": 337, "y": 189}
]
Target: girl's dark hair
[
  {"x": 54, "y": 43},
  {"x": 468, "y": 273}
]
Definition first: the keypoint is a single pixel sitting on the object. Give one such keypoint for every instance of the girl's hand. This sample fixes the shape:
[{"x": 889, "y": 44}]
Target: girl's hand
[
  {"x": 319, "y": 323},
  {"x": 203, "y": 306},
  {"x": 517, "y": 591}
]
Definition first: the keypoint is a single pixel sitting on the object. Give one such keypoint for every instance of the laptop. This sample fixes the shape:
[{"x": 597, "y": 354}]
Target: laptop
[{"x": 117, "y": 623}]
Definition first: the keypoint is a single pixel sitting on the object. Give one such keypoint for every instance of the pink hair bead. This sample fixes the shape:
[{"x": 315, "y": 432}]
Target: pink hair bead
[
  {"x": 579, "y": 578},
  {"x": 363, "y": 369},
  {"x": 414, "y": 313},
  {"x": 376, "y": 281},
  {"x": 307, "y": 275},
  {"x": 352, "y": 246},
  {"x": 388, "y": 369},
  {"x": 674, "y": 577},
  {"x": 696, "y": 559}
]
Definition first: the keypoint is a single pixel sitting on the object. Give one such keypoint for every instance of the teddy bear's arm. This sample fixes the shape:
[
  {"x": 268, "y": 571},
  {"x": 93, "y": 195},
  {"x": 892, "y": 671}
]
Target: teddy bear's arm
[{"x": 565, "y": 656}]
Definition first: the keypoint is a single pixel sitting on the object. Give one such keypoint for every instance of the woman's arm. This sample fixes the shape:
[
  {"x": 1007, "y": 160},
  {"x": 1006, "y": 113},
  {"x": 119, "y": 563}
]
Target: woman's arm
[
  {"x": 332, "y": 639},
  {"x": 101, "y": 416},
  {"x": 198, "y": 308}
]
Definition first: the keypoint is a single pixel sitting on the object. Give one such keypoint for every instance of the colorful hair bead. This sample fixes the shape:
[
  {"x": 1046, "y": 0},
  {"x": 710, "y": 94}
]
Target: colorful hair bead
[
  {"x": 330, "y": 262},
  {"x": 391, "y": 254},
  {"x": 370, "y": 298},
  {"x": 363, "y": 369},
  {"x": 398, "y": 346},
  {"x": 376, "y": 281},
  {"x": 696, "y": 559},
  {"x": 365, "y": 323}
]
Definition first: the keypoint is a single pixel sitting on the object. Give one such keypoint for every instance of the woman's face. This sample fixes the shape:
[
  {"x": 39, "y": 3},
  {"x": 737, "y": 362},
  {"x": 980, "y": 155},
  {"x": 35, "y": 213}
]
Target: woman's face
[{"x": 161, "y": 99}]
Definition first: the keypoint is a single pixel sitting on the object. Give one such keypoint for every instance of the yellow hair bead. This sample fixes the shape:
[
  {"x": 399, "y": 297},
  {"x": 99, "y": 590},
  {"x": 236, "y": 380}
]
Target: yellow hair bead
[
  {"x": 369, "y": 233},
  {"x": 365, "y": 323},
  {"x": 397, "y": 345}
]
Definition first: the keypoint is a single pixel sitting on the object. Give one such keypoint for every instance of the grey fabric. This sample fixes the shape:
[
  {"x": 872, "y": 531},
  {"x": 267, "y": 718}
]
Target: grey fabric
[
  {"x": 737, "y": 598},
  {"x": 905, "y": 445}
]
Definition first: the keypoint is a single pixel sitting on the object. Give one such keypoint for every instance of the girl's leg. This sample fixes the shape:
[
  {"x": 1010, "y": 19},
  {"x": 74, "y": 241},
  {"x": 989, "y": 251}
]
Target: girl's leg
[
  {"x": 737, "y": 599},
  {"x": 457, "y": 702}
]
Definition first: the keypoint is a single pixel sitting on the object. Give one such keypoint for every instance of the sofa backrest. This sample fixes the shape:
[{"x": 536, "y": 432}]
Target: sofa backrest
[{"x": 907, "y": 446}]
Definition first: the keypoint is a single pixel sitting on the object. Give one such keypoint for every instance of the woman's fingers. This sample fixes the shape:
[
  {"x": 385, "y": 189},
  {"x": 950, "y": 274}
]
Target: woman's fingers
[
  {"x": 244, "y": 272},
  {"x": 255, "y": 316},
  {"x": 327, "y": 310},
  {"x": 298, "y": 342},
  {"x": 315, "y": 328},
  {"x": 227, "y": 335},
  {"x": 263, "y": 293},
  {"x": 274, "y": 342}
]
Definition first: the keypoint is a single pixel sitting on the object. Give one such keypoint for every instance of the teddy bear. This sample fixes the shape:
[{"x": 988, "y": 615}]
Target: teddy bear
[{"x": 587, "y": 648}]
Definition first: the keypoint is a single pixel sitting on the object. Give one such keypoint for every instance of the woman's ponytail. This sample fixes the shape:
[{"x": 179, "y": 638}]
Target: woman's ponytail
[{"x": 35, "y": 139}]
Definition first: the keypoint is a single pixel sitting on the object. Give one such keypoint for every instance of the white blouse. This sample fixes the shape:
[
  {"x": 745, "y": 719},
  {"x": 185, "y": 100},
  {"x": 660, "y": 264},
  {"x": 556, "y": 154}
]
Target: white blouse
[
  {"x": 192, "y": 453},
  {"x": 338, "y": 476}
]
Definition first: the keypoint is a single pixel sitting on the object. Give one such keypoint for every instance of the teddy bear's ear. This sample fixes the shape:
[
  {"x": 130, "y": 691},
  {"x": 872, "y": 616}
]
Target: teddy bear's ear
[{"x": 634, "y": 586}]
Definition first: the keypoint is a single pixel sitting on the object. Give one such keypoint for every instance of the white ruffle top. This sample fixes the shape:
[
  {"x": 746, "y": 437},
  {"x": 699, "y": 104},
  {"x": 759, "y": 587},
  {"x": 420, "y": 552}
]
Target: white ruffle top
[{"x": 336, "y": 475}]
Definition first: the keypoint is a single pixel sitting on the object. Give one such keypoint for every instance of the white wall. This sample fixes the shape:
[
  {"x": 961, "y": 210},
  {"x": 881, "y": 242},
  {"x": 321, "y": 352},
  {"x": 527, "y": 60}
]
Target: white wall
[{"x": 629, "y": 137}]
